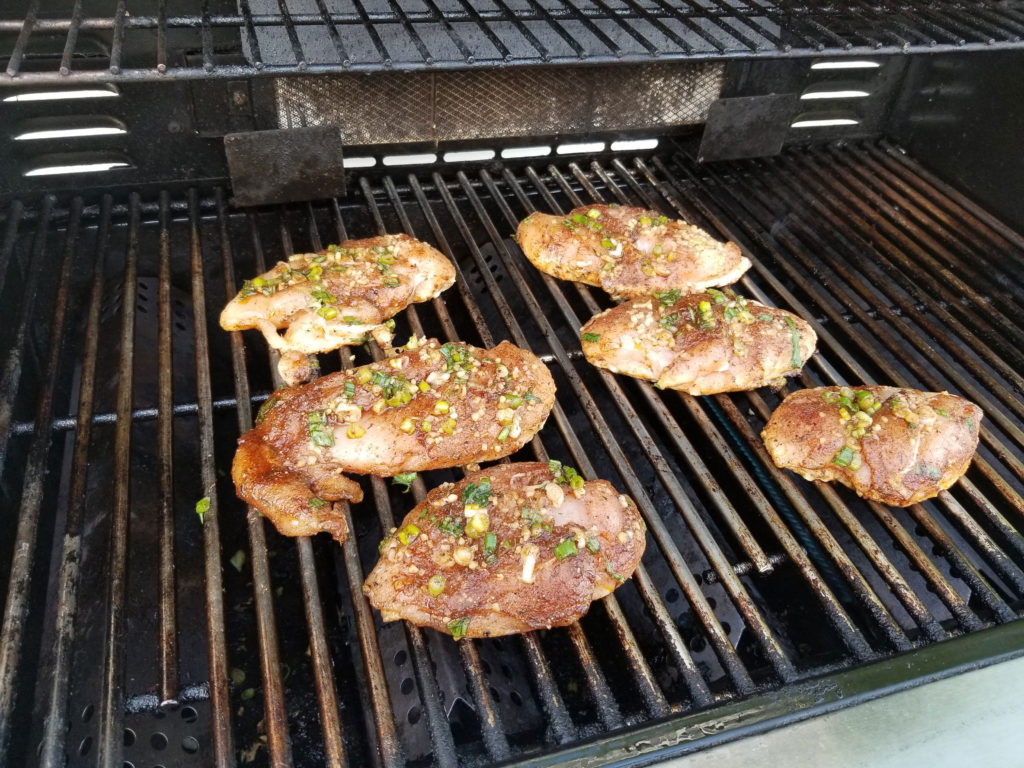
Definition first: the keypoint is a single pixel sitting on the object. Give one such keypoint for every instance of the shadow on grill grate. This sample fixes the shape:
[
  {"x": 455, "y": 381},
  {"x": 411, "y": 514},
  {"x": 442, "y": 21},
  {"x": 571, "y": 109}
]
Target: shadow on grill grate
[{"x": 200, "y": 640}]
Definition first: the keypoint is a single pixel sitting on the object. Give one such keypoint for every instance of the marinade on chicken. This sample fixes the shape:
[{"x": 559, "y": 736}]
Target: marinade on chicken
[
  {"x": 337, "y": 297},
  {"x": 430, "y": 406},
  {"x": 717, "y": 341},
  {"x": 629, "y": 252},
  {"x": 889, "y": 444},
  {"x": 509, "y": 549}
]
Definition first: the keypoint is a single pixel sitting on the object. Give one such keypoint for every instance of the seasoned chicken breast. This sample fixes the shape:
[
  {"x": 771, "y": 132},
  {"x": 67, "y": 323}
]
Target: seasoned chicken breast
[
  {"x": 629, "y": 252},
  {"x": 701, "y": 344},
  {"x": 432, "y": 406},
  {"x": 337, "y": 297},
  {"x": 896, "y": 446},
  {"x": 510, "y": 549}
]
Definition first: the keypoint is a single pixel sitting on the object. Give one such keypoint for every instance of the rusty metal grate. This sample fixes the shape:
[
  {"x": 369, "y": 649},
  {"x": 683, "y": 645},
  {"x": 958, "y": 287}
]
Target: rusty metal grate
[
  {"x": 134, "y": 634},
  {"x": 225, "y": 38}
]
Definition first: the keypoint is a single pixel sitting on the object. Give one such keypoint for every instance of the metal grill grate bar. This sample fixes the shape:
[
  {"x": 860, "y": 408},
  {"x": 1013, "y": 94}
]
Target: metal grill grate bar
[
  {"x": 19, "y": 590},
  {"x": 309, "y": 36},
  {"x": 51, "y": 754},
  {"x": 111, "y": 737}
]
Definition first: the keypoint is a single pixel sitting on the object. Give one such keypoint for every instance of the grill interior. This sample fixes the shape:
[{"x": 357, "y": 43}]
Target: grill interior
[{"x": 134, "y": 632}]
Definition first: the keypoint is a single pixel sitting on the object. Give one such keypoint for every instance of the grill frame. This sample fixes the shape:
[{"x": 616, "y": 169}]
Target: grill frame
[{"x": 208, "y": 226}]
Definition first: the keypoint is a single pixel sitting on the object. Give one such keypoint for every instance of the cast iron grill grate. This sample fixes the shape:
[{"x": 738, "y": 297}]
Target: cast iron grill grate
[
  {"x": 205, "y": 643},
  {"x": 222, "y": 38}
]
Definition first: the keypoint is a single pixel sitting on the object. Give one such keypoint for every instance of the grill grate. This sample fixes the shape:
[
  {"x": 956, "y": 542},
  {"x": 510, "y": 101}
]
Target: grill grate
[
  {"x": 170, "y": 641},
  {"x": 228, "y": 39}
]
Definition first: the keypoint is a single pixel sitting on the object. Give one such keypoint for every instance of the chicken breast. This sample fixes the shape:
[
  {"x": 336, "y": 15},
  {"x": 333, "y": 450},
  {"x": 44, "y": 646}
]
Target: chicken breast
[
  {"x": 629, "y": 252},
  {"x": 701, "y": 344},
  {"x": 510, "y": 549},
  {"x": 431, "y": 406},
  {"x": 896, "y": 446},
  {"x": 337, "y": 297}
]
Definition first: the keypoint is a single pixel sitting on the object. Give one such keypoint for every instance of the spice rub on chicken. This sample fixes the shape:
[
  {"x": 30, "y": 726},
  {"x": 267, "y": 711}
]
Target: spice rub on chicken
[
  {"x": 337, "y": 297},
  {"x": 701, "y": 344},
  {"x": 509, "y": 549},
  {"x": 629, "y": 252},
  {"x": 896, "y": 446},
  {"x": 433, "y": 405}
]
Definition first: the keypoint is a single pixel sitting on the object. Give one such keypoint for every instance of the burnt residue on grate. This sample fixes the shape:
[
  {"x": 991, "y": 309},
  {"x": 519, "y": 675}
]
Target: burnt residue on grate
[{"x": 174, "y": 639}]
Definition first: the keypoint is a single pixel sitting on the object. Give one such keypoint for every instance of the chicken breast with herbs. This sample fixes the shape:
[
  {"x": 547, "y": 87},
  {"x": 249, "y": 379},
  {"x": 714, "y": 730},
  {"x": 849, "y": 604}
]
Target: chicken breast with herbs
[
  {"x": 896, "y": 446},
  {"x": 509, "y": 549},
  {"x": 337, "y": 297},
  {"x": 701, "y": 344},
  {"x": 431, "y": 406},
  {"x": 629, "y": 252}
]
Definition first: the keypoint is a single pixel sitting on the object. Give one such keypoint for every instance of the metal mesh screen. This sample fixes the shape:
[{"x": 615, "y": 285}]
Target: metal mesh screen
[{"x": 402, "y": 107}]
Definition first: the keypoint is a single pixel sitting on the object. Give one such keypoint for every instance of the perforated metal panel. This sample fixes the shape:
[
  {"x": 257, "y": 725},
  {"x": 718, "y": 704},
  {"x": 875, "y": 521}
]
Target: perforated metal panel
[{"x": 441, "y": 106}]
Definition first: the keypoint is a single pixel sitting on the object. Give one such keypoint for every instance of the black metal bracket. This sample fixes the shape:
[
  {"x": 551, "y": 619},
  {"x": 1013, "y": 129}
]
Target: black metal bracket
[{"x": 285, "y": 166}]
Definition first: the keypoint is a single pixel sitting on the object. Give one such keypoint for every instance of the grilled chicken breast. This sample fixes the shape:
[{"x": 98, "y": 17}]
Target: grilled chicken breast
[
  {"x": 336, "y": 297},
  {"x": 629, "y": 252},
  {"x": 701, "y": 344},
  {"x": 432, "y": 406},
  {"x": 510, "y": 549},
  {"x": 896, "y": 446}
]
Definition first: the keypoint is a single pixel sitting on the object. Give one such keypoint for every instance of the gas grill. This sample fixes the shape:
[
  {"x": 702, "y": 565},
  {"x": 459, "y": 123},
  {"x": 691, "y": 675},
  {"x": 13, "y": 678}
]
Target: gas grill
[{"x": 865, "y": 158}]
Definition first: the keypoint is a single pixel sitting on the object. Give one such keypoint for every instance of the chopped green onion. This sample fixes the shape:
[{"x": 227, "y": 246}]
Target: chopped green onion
[
  {"x": 436, "y": 584},
  {"x": 592, "y": 337},
  {"x": 566, "y": 548},
  {"x": 477, "y": 494},
  {"x": 458, "y": 627},
  {"x": 238, "y": 560},
  {"x": 707, "y": 318},
  {"x": 328, "y": 313},
  {"x": 363, "y": 375},
  {"x": 942, "y": 412},
  {"x": 478, "y": 525},
  {"x": 830, "y": 396},
  {"x": 610, "y": 572},
  {"x": 449, "y": 426},
  {"x": 530, "y": 397},
  {"x": 248, "y": 693},
  {"x": 665, "y": 298},
  {"x": 668, "y": 322},
  {"x": 391, "y": 281},
  {"x": 503, "y": 435},
  {"x": 265, "y": 408},
  {"x": 579, "y": 218},
  {"x": 349, "y": 390},
  {"x": 717, "y": 296},
  {"x": 844, "y": 457},
  {"x": 594, "y": 213},
  {"x": 319, "y": 431},
  {"x": 490, "y": 545},
  {"x": 354, "y": 432},
  {"x": 607, "y": 244},
  {"x": 404, "y": 480},
  {"x": 409, "y": 534},
  {"x": 237, "y": 676},
  {"x": 316, "y": 502},
  {"x": 202, "y": 507},
  {"x": 441, "y": 407},
  {"x": 451, "y": 526},
  {"x": 657, "y": 250},
  {"x": 513, "y": 401},
  {"x": 593, "y": 544},
  {"x": 796, "y": 361},
  {"x": 408, "y": 426},
  {"x": 764, "y": 317}
]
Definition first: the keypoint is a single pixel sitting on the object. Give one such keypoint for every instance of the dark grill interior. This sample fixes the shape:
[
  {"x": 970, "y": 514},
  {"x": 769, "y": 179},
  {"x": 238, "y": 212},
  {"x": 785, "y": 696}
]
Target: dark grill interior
[{"x": 236, "y": 643}]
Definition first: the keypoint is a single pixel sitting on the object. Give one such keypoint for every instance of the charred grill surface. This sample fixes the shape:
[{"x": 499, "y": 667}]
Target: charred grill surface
[{"x": 123, "y": 400}]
